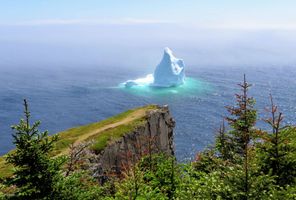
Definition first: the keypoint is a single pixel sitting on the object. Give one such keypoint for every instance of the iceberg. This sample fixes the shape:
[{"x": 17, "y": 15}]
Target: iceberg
[
  {"x": 170, "y": 72},
  {"x": 148, "y": 80}
]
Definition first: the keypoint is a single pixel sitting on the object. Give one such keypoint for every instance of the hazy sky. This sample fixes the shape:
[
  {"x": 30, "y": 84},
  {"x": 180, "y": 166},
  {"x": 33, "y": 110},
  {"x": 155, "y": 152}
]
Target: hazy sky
[
  {"x": 220, "y": 13},
  {"x": 129, "y": 32}
]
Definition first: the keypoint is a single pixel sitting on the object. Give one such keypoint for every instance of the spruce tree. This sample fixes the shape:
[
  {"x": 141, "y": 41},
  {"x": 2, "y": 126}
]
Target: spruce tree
[
  {"x": 35, "y": 170},
  {"x": 223, "y": 144},
  {"x": 242, "y": 120},
  {"x": 277, "y": 149}
]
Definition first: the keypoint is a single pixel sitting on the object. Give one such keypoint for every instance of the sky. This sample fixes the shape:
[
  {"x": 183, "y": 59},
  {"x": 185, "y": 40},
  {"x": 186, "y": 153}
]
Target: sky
[
  {"x": 95, "y": 32},
  {"x": 210, "y": 13}
]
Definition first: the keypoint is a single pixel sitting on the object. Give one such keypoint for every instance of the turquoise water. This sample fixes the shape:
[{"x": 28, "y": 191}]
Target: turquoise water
[{"x": 191, "y": 86}]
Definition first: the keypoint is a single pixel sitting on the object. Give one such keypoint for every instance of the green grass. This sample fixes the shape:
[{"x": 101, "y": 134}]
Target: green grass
[
  {"x": 71, "y": 135},
  {"x": 6, "y": 170},
  {"x": 101, "y": 139}
]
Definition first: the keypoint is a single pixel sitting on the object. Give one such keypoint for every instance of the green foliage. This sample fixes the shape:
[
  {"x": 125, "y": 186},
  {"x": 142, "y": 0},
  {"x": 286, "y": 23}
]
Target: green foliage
[
  {"x": 276, "y": 150},
  {"x": 155, "y": 177},
  {"x": 197, "y": 184},
  {"x": 35, "y": 171},
  {"x": 223, "y": 144},
  {"x": 135, "y": 187},
  {"x": 77, "y": 186},
  {"x": 99, "y": 131},
  {"x": 242, "y": 120},
  {"x": 162, "y": 172},
  {"x": 208, "y": 161},
  {"x": 2, "y": 188},
  {"x": 279, "y": 161},
  {"x": 236, "y": 142},
  {"x": 229, "y": 176}
]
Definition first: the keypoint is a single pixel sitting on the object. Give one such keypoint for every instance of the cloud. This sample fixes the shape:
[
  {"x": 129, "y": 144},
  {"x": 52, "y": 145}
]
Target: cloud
[
  {"x": 246, "y": 25},
  {"x": 143, "y": 21},
  {"x": 219, "y": 25},
  {"x": 122, "y": 21}
]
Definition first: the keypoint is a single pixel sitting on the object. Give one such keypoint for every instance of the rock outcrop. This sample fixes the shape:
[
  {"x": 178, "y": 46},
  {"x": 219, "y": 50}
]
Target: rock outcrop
[{"x": 155, "y": 136}]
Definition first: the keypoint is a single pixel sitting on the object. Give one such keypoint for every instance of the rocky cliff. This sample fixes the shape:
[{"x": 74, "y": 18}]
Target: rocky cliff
[
  {"x": 154, "y": 136},
  {"x": 114, "y": 144}
]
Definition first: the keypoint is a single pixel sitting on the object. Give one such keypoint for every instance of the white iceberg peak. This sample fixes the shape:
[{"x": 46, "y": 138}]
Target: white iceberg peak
[
  {"x": 169, "y": 72},
  {"x": 168, "y": 51}
]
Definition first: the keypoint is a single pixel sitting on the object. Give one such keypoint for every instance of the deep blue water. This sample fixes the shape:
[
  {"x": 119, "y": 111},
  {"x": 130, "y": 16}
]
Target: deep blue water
[{"x": 66, "y": 97}]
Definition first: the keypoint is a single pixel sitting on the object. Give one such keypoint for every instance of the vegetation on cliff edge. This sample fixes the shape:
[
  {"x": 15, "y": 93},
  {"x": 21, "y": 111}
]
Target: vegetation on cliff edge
[
  {"x": 245, "y": 162},
  {"x": 100, "y": 132}
]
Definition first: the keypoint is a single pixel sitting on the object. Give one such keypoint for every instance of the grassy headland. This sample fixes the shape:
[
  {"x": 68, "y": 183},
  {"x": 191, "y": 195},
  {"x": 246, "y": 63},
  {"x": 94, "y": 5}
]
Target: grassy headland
[{"x": 101, "y": 133}]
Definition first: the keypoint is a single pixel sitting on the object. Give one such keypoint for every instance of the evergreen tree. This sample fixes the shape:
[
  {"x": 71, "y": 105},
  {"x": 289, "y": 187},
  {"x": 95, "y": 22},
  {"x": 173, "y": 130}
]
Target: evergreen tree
[
  {"x": 242, "y": 121},
  {"x": 277, "y": 150},
  {"x": 223, "y": 144},
  {"x": 35, "y": 170}
]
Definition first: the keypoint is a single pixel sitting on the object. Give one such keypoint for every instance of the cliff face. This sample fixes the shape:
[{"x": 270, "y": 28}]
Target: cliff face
[
  {"x": 114, "y": 144},
  {"x": 155, "y": 136}
]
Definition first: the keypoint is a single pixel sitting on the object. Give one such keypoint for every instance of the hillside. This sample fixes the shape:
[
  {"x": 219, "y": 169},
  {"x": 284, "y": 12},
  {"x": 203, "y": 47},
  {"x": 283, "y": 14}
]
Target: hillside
[{"x": 101, "y": 133}]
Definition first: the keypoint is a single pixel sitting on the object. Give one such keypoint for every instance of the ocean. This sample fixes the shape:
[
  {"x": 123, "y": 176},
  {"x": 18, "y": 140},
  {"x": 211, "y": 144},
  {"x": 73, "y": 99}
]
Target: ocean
[{"x": 64, "y": 97}]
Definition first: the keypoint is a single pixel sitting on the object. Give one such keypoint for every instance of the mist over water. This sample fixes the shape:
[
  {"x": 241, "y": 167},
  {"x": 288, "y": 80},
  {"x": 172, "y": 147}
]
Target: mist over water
[
  {"x": 70, "y": 75},
  {"x": 140, "y": 46}
]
